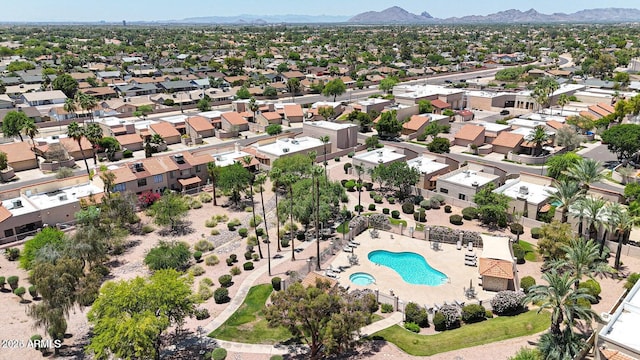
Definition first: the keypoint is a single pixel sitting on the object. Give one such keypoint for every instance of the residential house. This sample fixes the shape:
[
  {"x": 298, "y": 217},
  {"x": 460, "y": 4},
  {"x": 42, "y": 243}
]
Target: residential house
[
  {"x": 108, "y": 75},
  {"x": 136, "y": 89},
  {"x": 342, "y": 136},
  {"x": 431, "y": 166},
  {"x": 464, "y": 183},
  {"x": 416, "y": 125},
  {"x": 72, "y": 147},
  {"x": 233, "y": 123},
  {"x": 198, "y": 127},
  {"x": 497, "y": 268},
  {"x": 113, "y": 126},
  {"x": 292, "y": 75},
  {"x": 44, "y": 98},
  {"x": 131, "y": 142},
  {"x": 293, "y": 114},
  {"x": 529, "y": 194},
  {"x": 269, "y": 151},
  {"x": 6, "y": 102},
  {"x": 167, "y": 131},
  {"x": 101, "y": 93},
  {"x": 20, "y": 156},
  {"x": 176, "y": 86},
  {"x": 439, "y": 106},
  {"x": 618, "y": 340},
  {"x": 507, "y": 142},
  {"x": 383, "y": 156},
  {"x": 470, "y": 134}
]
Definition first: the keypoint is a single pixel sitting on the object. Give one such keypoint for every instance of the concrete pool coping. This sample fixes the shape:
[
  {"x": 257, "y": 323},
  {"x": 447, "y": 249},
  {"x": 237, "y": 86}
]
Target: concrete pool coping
[{"x": 447, "y": 260}]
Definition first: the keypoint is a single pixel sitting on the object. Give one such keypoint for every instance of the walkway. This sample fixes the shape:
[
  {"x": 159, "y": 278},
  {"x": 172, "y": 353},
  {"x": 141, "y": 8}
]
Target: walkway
[{"x": 394, "y": 319}]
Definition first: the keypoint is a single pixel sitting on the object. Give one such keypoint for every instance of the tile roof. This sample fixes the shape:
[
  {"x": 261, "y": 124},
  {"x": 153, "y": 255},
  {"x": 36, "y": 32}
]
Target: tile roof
[
  {"x": 199, "y": 123},
  {"x": 293, "y": 110},
  {"x": 4, "y": 213},
  {"x": 234, "y": 118},
  {"x": 496, "y": 268},
  {"x": 469, "y": 132},
  {"x": 72, "y": 145},
  {"x": 416, "y": 122},
  {"x": 440, "y": 104},
  {"x": 123, "y": 174},
  {"x": 508, "y": 139},
  {"x": 598, "y": 110},
  {"x": 128, "y": 139},
  {"x": 164, "y": 129},
  {"x": 611, "y": 354},
  {"x": 272, "y": 115},
  {"x": 555, "y": 124}
]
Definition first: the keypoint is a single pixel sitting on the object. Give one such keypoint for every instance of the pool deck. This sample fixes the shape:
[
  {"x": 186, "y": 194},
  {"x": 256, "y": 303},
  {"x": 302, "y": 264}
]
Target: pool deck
[{"x": 448, "y": 260}]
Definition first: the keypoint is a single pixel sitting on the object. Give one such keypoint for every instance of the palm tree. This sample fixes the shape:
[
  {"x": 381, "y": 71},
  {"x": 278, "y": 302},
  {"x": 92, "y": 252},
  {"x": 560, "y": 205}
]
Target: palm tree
[
  {"x": 260, "y": 180},
  {"x": 538, "y": 137},
  {"x": 293, "y": 86},
  {"x": 577, "y": 210},
  {"x": 316, "y": 172},
  {"x": 254, "y": 107},
  {"x": 31, "y": 130},
  {"x": 359, "y": 170},
  {"x": 76, "y": 132},
  {"x": 560, "y": 347},
  {"x": 594, "y": 211},
  {"x": 253, "y": 211},
  {"x": 93, "y": 133},
  {"x": 562, "y": 299},
  {"x": 623, "y": 221},
  {"x": 275, "y": 175},
  {"x": 325, "y": 141},
  {"x": 567, "y": 193},
  {"x": 586, "y": 171},
  {"x": 582, "y": 258},
  {"x": 87, "y": 102},
  {"x": 290, "y": 179},
  {"x": 70, "y": 107},
  {"x": 563, "y": 100},
  {"x": 213, "y": 171}
]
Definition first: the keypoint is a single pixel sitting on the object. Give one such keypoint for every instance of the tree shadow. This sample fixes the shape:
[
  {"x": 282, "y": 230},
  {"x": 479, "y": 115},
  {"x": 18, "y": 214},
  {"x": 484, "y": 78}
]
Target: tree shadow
[
  {"x": 187, "y": 344},
  {"x": 180, "y": 229}
]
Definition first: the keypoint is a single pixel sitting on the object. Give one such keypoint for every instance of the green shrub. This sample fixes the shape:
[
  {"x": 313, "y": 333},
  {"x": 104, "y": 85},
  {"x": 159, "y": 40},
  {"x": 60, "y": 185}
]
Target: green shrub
[
  {"x": 221, "y": 296},
  {"x": 255, "y": 223},
  {"x": 48, "y": 235},
  {"x": 229, "y": 262},
  {"x": 206, "y": 281},
  {"x": 260, "y": 231},
  {"x": 408, "y": 207},
  {"x": 33, "y": 291},
  {"x": 519, "y": 253},
  {"x": 385, "y": 211},
  {"x": 231, "y": 226},
  {"x": 255, "y": 257},
  {"x": 535, "y": 232},
  {"x": 201, "y": 313},
  {"x": 470, "y": 213},
  {"x": 211, "y": 260},
  {"x": 12, "y": 254},
  {"x": 247, "y": 266},
  {"x": 211, "y": 223},
  {"x": 235, "y": 271},
  {"x": 168, "y": 255},
  {"x": 517, "y": 229},
  {"x": 420, "y": 215},
  {"x": 284, "y": 242},
  {"x": 434, "y": 203},
  {"x": 20, "y": 292},
  {"x": 386, "y": 308},
  {"x": 632, "y": 279},
  {"x": 414, "y": 313},
  {"x": 447, "y": 209},
  {"x": 488, "y": 314},
  {"x": 203, "y": 245},
  {"x": 439, "y": 322},
  {"x": 593, "y": 287},
  {"x": 351, "y": 154},
  {"x": 243, "y": 232},
  {"x": 377, "y": 199},
  {"x": 215, "y": 232},
  {"x": 455, "y": 219},
  {"x": 527, "y": 282},
  {"x": 2, "y": 282},
  {"x": 127, "y": 154},
  {"x": 197, "y": 255},
  {"x": 204, "y": 293},
  {"x": 219, "y": 354},
  {"x": 197, "y": 270},
  {"x": 196, "y": 204},
  {"x": 424, "y": 203},
  {"x": 337, "y": 159},
  {"x": 395, "y": 214},
  {"x": 146, "y": 229},
  {"x": 391, "y": 200},
  {"x": 350, "y": 185},
  {"x": 247, "y": 255},
  {"x": 276, "y": 282},
  {"x": 225, "y": 280},
  {"x": 205, "y": 197},
  {"x": 413, "y": 327},
  {"x": 13, "y": 282},
  {"x": 473, "y": 313},
  {"x": 372, "y": 207},
  {"x": 360, "y": 207}
]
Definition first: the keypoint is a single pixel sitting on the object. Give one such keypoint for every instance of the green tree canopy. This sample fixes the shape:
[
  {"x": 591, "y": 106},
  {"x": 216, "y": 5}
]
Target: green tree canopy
[
  {"x": 243, "y": 93},
  {"x": 334, "y": 88},
  {"x": 439, "y": 145},
  {"x": 234, "y": 178},
  {"x": 13, "y": 124},
  {"x": 169, "y": 210},
  {"x": 388, "y": 83},
  {"x": 274, "y": 129},
  {"x": 424, "y": 106},
  {"x": 66, "y": 84},
  {"x": 129, "y": 317},
  {"x": 388, "y": 125},
  {"x": 623, "y": 140},
  {"x": 557, "y": 165},
  {"x": 48, "y": 236}
]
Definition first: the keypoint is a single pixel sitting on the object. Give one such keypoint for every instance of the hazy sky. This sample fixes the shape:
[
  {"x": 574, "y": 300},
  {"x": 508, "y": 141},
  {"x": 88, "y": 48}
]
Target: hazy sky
[{"x": 131, "y": 10}]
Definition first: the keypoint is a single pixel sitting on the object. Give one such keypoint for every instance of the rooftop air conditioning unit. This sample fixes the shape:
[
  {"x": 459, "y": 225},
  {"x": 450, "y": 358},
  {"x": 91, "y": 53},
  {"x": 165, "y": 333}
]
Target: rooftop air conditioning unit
[
  {"x": 475, "y": 184},
  {"x": 285, "y": 150},
  {"x": 62, "y": 197},
  {"x": 17, "y": 204},
  {"x": 523, "y": 190},
  {"x": 138, "y": 166},
  {"x": 179, "y": 158}
]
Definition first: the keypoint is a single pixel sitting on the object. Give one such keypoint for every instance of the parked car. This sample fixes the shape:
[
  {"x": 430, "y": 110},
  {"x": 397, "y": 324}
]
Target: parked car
[{"x": 504, "y": 112}]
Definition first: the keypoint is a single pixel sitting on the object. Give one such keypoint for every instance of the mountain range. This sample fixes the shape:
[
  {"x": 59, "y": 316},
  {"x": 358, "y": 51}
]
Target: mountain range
[{"x": 398, "y": 15}]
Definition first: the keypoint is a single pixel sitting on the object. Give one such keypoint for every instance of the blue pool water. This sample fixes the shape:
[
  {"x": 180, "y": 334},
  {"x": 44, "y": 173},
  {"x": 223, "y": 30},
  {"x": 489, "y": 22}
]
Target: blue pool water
[
  {"x": 412, "y": 267},
  {"x": 362, "y": 279},
  {"x": 556, "y": 203}
]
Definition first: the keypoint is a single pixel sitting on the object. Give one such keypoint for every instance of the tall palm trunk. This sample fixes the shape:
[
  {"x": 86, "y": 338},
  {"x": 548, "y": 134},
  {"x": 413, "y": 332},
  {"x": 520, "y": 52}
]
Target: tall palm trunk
[
  {"x": 604, "y": 239},
  {"x": 621, "y": 237},
  {"x": 255, "y": 226},
  {"x": 266, "y": 231},
  {"x": 86, "y": 164},
  {"x": 293, "y": 248},
  {"x": 277, "y": 221},
  {"x": 317, "y": 203},
  {"x": 215, "y": 203}
]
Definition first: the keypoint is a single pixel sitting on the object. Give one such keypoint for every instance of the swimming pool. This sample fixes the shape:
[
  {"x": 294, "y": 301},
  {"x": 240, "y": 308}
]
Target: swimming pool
[
  {"x": 362, "y": 279},
  {"x": 412, "y": 267}
]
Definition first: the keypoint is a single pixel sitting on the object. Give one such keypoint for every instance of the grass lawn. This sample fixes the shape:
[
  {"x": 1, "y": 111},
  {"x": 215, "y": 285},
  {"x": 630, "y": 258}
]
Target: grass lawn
[
  {"x": 393, "y": 221},
  {"x": 248, "y": 325},
  {"x": 343, "y": 228},
  {"x": 531, "y": 251},
  {"x": 492, "y": 330}
]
